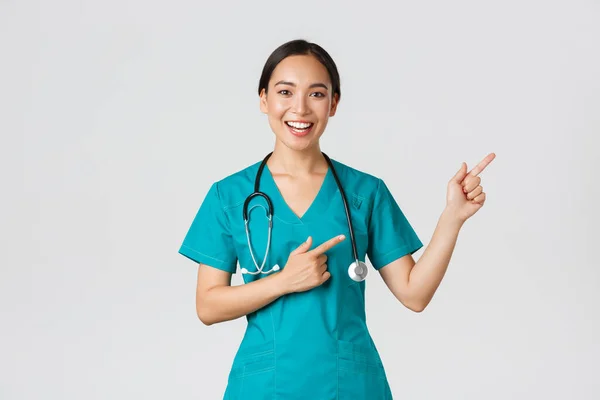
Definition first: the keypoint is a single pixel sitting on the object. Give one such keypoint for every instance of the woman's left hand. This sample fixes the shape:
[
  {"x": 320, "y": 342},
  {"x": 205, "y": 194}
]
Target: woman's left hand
[{"x": 465, "y": 194}]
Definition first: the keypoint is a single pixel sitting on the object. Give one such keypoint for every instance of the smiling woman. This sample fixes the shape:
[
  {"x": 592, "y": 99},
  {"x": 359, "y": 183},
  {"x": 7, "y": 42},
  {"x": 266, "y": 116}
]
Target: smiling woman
[
  {"x": 307, "y": 336},
  {"x": 299, "y": 90}
]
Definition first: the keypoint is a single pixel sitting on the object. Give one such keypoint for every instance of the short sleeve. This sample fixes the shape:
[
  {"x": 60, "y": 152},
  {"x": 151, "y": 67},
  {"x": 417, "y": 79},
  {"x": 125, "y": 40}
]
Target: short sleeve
[
  {"x": 208, "y": 240},
  {"x": 391, "y": 236}
]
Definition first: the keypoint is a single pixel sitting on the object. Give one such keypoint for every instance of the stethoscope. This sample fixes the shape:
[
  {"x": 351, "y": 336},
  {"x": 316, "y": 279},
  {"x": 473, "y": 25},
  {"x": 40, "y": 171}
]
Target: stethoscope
[{"x": 357, "y": 270}]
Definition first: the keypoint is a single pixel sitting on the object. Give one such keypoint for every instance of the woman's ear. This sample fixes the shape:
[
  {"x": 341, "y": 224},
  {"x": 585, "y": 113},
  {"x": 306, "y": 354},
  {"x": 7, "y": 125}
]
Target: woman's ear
[
  {"x": 334, "y": 104},
  {"x": 264, "y": 107}
]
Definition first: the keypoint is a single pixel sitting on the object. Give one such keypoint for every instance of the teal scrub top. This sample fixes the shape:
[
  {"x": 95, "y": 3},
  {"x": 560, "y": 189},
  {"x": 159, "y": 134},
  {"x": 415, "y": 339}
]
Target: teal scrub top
[{"x": 313, "y": 344}]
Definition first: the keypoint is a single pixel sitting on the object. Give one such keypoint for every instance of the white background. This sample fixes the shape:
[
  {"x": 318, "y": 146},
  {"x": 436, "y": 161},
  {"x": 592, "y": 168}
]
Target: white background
[{"x": 116, "y": 116}]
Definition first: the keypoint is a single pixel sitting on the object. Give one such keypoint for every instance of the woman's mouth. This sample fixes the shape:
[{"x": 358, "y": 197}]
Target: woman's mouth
[{"x": 299, "y": 128}]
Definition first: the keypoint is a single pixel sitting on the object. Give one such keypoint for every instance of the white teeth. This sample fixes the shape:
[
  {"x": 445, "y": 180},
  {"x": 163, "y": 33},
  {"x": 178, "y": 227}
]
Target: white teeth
[{"x": 299, "y": 125}]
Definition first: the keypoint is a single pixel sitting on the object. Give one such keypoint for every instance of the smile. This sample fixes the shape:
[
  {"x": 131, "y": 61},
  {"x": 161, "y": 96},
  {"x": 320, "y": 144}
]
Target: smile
[{"x": 299, "y": 128}]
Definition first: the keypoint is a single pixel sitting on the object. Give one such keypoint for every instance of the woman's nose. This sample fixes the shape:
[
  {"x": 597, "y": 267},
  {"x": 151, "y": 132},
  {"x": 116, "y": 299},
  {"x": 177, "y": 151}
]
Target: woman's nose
[{"x": 300, "y": 105}]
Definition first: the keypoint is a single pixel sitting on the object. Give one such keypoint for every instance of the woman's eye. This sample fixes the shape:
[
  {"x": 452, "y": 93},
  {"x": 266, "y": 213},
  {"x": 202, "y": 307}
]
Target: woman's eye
[
  {"x": 284, "y": 92},
  {"x": 318, "y": 94}
]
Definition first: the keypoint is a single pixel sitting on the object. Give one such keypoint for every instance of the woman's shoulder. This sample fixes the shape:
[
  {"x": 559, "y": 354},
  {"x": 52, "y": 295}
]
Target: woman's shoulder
[
  {"x": 233, "y": 187},
  {"x": 356, "y": 179},
  {"x": 239, "y": 176}
]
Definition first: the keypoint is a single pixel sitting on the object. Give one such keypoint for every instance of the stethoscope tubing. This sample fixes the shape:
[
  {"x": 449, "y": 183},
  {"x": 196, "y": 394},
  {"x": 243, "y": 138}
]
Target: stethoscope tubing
[{"x": 270, "y": 211}]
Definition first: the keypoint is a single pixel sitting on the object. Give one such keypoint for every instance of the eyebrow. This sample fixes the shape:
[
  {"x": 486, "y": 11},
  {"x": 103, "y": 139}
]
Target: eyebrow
[{"x": 318, "y": 84}]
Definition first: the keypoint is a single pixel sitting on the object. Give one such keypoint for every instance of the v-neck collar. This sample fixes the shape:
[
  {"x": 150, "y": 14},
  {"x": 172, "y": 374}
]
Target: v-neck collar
[{"x": 283, "y": 212}]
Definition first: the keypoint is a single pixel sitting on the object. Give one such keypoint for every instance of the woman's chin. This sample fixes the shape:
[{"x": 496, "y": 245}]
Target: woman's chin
[
  {"x": 297, "y": 144},
  {"x": 298, "y": 141}
]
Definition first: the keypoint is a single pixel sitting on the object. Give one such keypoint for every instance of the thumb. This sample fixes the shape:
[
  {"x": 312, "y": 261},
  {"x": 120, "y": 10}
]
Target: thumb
[
  {"x": 304, "y": 247},
  {"x": 460, "y": 175}
]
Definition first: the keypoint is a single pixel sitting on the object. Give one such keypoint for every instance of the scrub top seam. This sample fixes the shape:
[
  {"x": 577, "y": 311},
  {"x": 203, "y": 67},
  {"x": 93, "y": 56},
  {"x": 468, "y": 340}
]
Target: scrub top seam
[
  {"x": 237, "y": 204},
  {"x": 404, "y": 248},
  {"x": 337, "y": 367},
  {"x": 203, "y": 254},
  {"x": 274, "y": 358},
  {"x": 301, "y": 220},
  {"x": 283, "y": 221}
]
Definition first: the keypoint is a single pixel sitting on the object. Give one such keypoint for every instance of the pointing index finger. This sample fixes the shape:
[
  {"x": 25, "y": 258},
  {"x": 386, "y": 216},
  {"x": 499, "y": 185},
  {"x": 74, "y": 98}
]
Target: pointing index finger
[
  {"x": 323, "y": 247},
  {"x": 482, "y": 164}
]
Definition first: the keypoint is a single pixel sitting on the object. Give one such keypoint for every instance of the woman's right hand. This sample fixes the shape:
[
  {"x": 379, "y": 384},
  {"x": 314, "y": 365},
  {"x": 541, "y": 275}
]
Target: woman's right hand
[{"x": 306, "y": 269}]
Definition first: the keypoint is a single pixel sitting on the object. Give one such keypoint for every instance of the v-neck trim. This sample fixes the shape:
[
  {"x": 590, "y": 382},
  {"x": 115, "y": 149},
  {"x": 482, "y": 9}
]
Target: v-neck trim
[{"x": 319, "y": 204}]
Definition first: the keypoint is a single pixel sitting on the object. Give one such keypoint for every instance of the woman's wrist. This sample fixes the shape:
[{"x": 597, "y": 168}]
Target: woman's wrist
[
  {"x": 452, "y": 217},
  {"x": 280, "y": 284}
]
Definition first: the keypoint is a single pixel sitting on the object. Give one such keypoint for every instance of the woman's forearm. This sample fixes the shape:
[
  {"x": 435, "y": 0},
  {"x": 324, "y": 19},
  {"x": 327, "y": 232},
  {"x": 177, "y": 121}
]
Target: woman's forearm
[
  {"x": 225, "y": 303},
  {"x": 427, "y": 274}
]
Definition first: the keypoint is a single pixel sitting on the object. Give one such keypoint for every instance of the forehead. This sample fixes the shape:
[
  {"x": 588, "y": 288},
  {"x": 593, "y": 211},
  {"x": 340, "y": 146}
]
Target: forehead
[{"x": 301, "y": 69}]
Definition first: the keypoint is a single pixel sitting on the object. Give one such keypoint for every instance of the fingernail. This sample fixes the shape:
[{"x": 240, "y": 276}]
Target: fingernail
[{"x": 342, "y": 237}]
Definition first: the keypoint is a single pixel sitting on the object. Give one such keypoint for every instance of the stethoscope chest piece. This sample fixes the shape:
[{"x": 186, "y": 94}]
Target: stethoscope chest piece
[{"x": 358, "y": 271}]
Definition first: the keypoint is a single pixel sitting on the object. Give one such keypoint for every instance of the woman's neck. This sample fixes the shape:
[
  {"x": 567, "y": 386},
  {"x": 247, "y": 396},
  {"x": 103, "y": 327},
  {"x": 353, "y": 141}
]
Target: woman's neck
[{"x": 293, "y": 162}]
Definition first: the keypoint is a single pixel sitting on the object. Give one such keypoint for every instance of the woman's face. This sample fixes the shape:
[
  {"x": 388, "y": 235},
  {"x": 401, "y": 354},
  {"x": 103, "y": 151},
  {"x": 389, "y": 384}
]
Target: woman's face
[{"x": 299, "y": 101}]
